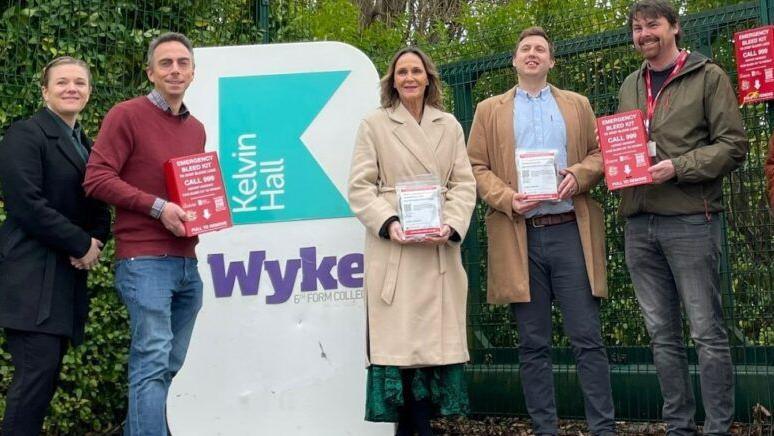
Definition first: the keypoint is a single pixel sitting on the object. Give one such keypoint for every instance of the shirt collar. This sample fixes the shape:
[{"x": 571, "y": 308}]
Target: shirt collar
[
  {"x": 75, "y": 130},
  {"x": 542, "y": 95},
  {"x": 668, "y": 67},
  {"x": 157, "y": 99}
]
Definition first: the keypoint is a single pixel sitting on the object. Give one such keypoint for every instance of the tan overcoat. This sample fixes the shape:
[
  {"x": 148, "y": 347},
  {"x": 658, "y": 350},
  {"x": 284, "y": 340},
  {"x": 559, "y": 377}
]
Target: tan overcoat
[
  {"x": 491, "y": 148},
  {"x": 415, "y": 295}
]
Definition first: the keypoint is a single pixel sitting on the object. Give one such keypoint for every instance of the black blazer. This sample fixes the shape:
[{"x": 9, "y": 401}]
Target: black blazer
[{"x": 48, "y": 220}]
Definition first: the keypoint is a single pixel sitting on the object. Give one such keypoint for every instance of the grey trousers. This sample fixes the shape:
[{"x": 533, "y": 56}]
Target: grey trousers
[
  {"x": 557, "y": 271},
  {"x": 674, "y": 259}
]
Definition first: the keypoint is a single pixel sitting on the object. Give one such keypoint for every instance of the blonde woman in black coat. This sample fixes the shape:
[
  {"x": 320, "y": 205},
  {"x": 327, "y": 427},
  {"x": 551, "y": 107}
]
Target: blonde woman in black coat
[{"x": 51, "y": 237}]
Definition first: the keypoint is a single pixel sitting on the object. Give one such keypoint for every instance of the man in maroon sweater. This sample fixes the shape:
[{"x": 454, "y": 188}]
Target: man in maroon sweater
[{"x": 156, "y": 270}]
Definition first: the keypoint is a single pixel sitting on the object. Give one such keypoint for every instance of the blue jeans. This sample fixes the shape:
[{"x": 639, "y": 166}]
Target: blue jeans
[
  {"x": 674, "y": 259},
  {"x": 163, "y": 295},
  {"x": 557, "y": 270}
]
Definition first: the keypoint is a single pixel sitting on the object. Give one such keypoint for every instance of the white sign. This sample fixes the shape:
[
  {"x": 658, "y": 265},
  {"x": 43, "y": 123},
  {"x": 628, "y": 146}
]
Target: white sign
[{"x": 279, "y": 345}]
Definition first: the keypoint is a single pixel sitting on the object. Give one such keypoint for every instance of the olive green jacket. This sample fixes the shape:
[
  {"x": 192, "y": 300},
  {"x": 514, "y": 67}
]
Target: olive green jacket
[{"x": 698, "y": 126}]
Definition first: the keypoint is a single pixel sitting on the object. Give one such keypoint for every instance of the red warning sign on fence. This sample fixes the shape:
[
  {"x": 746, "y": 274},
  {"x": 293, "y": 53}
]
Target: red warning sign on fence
[{"x": 754, "y": 50}]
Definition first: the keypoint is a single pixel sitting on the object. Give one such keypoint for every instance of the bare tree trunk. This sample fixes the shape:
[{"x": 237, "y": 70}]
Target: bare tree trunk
[
  {"x": 431, "y": 12},
  {"x": 422, "y": 15},
  {"x": 380, "y": 10}
]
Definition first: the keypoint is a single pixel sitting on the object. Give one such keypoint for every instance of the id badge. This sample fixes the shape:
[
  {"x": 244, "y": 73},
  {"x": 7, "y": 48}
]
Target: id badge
[{"x": 652, "y": 148}]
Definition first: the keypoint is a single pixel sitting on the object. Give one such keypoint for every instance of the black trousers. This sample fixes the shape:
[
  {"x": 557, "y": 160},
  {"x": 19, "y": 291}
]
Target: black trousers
[
  {"x": 557, "y": 273},
  {"x": 37, "y": 360}
]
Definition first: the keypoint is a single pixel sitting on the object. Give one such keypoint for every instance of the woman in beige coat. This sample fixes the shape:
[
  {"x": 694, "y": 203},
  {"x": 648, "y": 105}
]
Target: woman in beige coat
[{"x": 416, "y": 290}]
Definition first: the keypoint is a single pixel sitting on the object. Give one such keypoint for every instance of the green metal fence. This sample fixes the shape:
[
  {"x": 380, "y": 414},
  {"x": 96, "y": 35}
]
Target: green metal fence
[{"x": 595, "y": 65}]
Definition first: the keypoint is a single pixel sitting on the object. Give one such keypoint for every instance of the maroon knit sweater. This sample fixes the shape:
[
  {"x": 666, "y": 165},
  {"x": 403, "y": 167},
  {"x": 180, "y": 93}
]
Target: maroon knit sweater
[{"x": 126, "y": 169}]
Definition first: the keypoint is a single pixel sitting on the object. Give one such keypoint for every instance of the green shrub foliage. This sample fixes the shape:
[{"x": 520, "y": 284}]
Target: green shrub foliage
[{"x": 112, "y": 37}]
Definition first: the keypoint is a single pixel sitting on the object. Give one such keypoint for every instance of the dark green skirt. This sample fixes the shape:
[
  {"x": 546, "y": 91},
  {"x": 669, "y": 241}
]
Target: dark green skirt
[{"x": 445, "y": 386}]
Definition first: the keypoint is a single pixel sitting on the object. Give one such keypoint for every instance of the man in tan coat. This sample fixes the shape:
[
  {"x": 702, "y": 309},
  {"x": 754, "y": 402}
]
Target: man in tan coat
[{"x": 545, "y": 250}]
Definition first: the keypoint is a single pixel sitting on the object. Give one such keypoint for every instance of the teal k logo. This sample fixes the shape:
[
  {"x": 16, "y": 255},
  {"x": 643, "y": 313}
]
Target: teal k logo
[{"x": 268, "y": 172}]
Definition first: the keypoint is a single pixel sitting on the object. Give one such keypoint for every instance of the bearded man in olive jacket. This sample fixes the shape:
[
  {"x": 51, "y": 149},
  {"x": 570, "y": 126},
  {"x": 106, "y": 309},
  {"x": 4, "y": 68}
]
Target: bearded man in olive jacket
[{"x": 673, "y": 226}]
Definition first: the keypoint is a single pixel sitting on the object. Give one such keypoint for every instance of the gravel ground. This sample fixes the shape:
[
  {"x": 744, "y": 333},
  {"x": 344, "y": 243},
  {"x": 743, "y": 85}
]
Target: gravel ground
[{"x": 503, "y": 426}]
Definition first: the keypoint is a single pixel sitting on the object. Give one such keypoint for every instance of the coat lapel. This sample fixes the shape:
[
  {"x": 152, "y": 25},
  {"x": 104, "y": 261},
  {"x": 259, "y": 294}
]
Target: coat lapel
[
  {"x": 67, "y": 148},
  {"x": 572, "y": 127},
  {"x": 505, "y": 133},
  {"x": 54, "y": 132},
  {"x": 412, "y": 136},
  {"x": 433, "y": 126}
]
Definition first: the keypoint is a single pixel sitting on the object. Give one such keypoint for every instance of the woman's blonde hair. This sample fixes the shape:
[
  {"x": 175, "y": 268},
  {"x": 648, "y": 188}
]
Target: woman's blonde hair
[{"x": 62, "y": 60}]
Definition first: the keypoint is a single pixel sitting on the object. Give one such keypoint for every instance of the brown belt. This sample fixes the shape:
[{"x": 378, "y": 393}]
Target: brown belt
[{"x": 551, "y": 220}]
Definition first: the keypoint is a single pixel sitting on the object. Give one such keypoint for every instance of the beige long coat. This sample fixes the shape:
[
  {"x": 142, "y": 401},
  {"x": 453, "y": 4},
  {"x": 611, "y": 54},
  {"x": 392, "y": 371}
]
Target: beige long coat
[
  {"x": 415, "y": 295},
  {"x": 491, "y": 148}
]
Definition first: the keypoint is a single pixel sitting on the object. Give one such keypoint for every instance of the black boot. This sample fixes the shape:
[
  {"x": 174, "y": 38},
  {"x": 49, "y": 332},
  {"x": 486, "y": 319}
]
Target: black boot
[
  {"x": 405, "y": 424},
  {"x": 406, "y": 412},
  {"x": 421, "y": 416}
]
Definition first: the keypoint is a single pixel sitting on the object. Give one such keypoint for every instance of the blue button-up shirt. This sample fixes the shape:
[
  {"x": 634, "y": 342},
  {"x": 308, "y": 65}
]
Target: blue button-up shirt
[{"x": 538, "y": 125}]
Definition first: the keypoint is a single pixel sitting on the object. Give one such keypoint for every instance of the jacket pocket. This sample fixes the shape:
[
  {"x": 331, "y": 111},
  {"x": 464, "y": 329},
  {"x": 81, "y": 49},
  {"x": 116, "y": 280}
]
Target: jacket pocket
[{"x": 10, "y": 236}]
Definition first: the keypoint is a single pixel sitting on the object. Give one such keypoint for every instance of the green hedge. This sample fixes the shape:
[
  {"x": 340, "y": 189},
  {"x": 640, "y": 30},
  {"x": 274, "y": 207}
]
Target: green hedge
[{"x": 112, "y": 36}]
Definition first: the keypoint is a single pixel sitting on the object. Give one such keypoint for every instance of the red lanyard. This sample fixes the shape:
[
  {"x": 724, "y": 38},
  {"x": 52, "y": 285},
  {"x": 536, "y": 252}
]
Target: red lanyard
[{"x": 652, "y": 101}]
